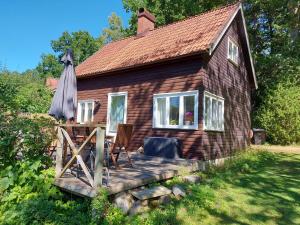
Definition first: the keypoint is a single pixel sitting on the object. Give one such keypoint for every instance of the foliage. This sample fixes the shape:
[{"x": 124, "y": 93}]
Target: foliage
[
  {"x": 280, "y": 114},
  {"x": 34, "y": 98},
  {"x": 114, "y": 31},
  {"x": 49, "y": 66},
  {"x": 103, "y": 212},
  {"x": 81, "y": 42},
  {"x": 29, "y": 197},
  {"x": 24, "y": 93},
  {"x": 24, "y": 138}
]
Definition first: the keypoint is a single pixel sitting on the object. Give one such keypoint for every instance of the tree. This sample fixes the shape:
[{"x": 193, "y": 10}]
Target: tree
[
  {"x": 81, "y": 42},
  {"x": 280, "y": 114},
  {"x": 114, "y": 31},
  {"x": 49, "y": 66}
]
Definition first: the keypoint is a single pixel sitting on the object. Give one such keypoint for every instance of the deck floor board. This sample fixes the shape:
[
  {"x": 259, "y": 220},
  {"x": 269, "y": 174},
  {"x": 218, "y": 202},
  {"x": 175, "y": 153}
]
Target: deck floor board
[{"x": 145, "y": 170}]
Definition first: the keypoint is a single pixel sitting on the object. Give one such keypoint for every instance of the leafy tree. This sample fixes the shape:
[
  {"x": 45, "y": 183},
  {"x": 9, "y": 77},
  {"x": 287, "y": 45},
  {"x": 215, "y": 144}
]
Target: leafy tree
[
  {"x": 33, "y": 98},
  {"x": 81, "y": 42},
  {"x": 24, "y": 93},
  {"x": 114, "y": 31},
  {"x": 49, "y": 66},
  {"x": 280, "y": 114}
]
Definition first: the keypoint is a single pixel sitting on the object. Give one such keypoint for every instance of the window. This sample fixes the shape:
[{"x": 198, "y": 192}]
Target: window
[
  {"x": 85, "y": 111},
  {"x": 233, "y": 51},
  {"x": 116, "y": 112},
  {"x": 176, "y": 110},
  {"x": 213, "y": 112}
]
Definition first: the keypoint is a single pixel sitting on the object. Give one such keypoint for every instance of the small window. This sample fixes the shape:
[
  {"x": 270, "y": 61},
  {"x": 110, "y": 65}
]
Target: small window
[
  {"x": 213, "y": 112},
  {"x": 85, "y": 111},
  {"x": 176, "y": 110},
  {"x": 233, "y": 51}
]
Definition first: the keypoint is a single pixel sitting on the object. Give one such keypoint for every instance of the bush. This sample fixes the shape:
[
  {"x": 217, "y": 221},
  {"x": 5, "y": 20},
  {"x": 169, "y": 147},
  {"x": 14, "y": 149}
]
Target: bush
[
  {"x": 33, "y": 98},
  {"x": 103, "y": 212},
  {"x": 280, "y": 114},
  {"x": 24, "y": 138},
  {"x": 28, "y": 196}
]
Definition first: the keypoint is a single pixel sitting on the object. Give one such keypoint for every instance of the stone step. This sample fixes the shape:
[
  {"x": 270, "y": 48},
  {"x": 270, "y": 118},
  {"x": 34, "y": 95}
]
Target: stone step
[{"x": 151, "y": 192}]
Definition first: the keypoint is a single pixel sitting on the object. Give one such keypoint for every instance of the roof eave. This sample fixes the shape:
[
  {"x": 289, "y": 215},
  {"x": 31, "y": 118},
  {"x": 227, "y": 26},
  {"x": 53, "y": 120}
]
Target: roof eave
[{"x": 103, "y": 73}]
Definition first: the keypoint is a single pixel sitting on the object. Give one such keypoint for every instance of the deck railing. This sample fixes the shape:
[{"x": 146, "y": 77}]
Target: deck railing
[{"x": 65, "y": 143}]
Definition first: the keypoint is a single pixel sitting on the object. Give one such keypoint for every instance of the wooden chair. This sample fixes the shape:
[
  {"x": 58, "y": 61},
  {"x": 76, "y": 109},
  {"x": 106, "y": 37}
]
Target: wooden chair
[{"x": 122, "y": 141}]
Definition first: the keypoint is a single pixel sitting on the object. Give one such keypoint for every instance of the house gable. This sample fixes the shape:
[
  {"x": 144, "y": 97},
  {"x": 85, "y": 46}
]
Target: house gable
[{"x": 238, "y": 15}]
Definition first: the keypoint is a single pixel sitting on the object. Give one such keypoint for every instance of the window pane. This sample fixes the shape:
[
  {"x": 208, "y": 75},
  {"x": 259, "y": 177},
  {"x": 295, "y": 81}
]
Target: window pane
[
  {"x": 207, "y": 116},
  {"x": 189, "y": 114},
  {"x": 82, "y": 112},
  {"x": 117, "y": 112},
  {"x": 161, "y": 111},
  {"x": 220, "y": 115},
  {"x": 214, "y": 114},
  {"x": 90, "y": 111},
  {"x": 174, "y": 111}
]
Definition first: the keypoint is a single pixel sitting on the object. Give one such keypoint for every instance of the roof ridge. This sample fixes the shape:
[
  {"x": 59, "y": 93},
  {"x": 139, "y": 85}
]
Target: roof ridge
[
  {"x": 201, "y": 14},
  {"x": 187, "y": 18}
]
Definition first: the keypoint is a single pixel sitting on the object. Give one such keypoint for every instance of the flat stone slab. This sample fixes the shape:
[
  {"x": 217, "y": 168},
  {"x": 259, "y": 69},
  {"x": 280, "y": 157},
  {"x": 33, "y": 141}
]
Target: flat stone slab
[
  {"x": 192, "y": 179},
  {"x": 151, "y": 192}
]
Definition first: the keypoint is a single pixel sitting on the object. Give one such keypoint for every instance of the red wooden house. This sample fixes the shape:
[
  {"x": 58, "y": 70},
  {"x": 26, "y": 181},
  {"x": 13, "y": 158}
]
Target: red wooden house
[{"x": 191, "y": 80}]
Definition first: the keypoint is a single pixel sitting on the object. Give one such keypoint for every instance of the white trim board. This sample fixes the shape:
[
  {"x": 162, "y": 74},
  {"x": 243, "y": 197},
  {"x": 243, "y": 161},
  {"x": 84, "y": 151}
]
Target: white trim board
[{"x": 217, "y": 40}]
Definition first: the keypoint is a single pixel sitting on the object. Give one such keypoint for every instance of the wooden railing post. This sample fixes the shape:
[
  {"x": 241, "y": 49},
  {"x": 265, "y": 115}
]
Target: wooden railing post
[
  {"x": 59, "y": 152},
  {"x": 98, "y": 173}
]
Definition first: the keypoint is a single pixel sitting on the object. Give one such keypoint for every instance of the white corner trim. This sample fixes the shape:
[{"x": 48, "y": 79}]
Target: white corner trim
[{"x": 215, "y": 42}]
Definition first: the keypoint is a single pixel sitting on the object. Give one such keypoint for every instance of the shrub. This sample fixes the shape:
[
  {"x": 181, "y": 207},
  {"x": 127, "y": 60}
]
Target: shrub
[
  {"x": 28, "y": 196},
  {"x": 24, "y": 138},
  {"x": 280, "y": 114},
  {"x": 103, "y": 212}
]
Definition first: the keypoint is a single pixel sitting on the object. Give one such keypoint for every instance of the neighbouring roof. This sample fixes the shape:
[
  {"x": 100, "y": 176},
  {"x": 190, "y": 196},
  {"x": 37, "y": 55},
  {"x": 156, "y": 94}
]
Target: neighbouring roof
[
  {"x": 51, "y": 83},
  {"x": 190, "y": 36}
]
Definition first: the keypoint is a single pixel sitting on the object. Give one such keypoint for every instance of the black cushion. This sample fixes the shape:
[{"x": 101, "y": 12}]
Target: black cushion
[{"x": 163, "y": 147}]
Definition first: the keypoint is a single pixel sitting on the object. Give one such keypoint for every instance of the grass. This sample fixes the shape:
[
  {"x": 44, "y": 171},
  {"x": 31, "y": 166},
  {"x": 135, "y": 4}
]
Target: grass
[{"x": 255, "y": 188}]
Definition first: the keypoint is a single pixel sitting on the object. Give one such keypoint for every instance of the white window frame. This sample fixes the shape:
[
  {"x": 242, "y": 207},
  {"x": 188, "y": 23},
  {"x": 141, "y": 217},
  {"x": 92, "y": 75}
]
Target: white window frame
[
  {"x": 86, "y": 110},
  {"x": 232, "y": 58},
  {"x": 181, "y": 110},
  {"x": 109, "y": 108},
  {"x": 208, "y": 127}
]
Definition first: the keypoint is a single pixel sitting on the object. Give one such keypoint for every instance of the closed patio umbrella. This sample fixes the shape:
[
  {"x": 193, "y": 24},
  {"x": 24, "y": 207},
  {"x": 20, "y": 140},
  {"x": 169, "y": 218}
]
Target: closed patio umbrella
[{"x": 64, "y": 102}]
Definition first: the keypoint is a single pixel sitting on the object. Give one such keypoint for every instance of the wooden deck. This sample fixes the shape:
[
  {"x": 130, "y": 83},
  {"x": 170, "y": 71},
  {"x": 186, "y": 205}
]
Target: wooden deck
[{"x": 146, "y": 170}]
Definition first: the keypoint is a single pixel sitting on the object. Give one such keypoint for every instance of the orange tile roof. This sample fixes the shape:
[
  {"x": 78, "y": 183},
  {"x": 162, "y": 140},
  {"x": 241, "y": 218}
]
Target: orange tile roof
[{"x": 192, "y": 35}]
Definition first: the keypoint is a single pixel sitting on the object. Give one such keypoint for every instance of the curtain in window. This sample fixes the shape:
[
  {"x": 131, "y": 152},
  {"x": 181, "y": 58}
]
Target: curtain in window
[{"x": 161, "y": 111}]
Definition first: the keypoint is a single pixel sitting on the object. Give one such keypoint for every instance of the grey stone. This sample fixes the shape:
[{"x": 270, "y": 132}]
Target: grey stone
[
  {"x": 124, "y": 201},
  {"x": 192, "y": 179},
  {"x": 151, "y": 192},
  {"x": 162, "y": 200},
  {"x": 139, "y": 207},
  {"x": 178, "y": 191},
  {"x": 166, "y": 199}
]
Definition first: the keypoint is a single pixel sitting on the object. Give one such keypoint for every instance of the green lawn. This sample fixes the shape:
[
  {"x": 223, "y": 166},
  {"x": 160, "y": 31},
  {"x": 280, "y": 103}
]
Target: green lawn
[{"x": 257, "y": 188}]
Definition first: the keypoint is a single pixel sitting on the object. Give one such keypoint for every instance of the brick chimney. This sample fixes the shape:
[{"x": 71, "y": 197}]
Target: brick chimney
[{"x": 145, "y": 21}]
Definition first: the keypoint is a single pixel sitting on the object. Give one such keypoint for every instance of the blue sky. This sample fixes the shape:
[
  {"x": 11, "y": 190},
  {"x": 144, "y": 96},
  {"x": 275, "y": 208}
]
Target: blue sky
[{"x": 28, "y": 26}]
